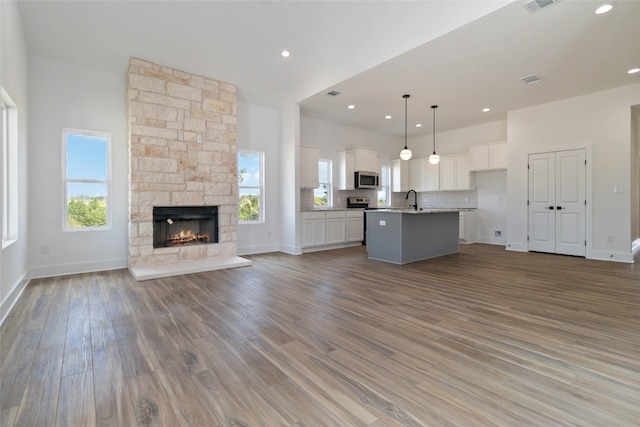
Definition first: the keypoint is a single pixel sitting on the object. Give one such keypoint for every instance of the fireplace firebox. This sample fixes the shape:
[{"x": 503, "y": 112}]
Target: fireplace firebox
[{"x": 184, "y": 225}]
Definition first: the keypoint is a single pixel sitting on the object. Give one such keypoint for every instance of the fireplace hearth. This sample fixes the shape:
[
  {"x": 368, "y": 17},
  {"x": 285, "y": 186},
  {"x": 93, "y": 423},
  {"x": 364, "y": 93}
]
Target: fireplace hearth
[{"x": 184, "y": 225}]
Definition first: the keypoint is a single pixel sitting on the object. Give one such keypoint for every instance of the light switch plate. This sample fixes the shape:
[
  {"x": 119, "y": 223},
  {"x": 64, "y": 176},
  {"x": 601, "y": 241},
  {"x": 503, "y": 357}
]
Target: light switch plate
[{"x": 383, "y": 222}]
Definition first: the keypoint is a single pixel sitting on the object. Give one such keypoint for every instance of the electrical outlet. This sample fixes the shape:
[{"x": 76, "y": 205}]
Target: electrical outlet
[
  {"x": 609, "y": 238},
  {"x": 199, "y": 139},
  {"x": 44, "y": 249},
  {"x": 498, "y": 233}
]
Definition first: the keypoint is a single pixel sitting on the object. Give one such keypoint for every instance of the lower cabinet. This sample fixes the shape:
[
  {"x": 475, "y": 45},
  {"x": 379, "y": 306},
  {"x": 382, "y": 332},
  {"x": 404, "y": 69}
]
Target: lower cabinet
[
  {"x": 355, "y": 226},
  {"x": 467, "y": 229},
  {"x": 331, "y": 228},
  {"x": 313, "y": 229},
  {"x": 335, "y": 227}
]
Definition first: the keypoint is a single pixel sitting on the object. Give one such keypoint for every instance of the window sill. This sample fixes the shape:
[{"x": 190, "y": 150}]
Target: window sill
[{"x": 7, "y": 243}]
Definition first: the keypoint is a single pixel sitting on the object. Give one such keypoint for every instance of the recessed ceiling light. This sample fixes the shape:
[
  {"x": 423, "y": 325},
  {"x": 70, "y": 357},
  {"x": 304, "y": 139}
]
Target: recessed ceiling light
[
  {"x": 486, "y": 110},
  {"x": 603, "y": 9},
  {"x": 351, "y": 107},
  {"x": 285, "y": 53},
  {"x": 387, "y": 117},
  {"x": 633, "y": 71},
  {"x": 418, "y": 125}
]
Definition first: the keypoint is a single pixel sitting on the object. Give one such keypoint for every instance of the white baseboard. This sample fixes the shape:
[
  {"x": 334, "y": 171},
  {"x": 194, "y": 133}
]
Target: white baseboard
[
  {"x": 258, "y": 249},
  {"x": 612, "y": 256},
  {"x": 491, "y": 240},
  {"x": 81, "y": 267},
  {"x": 517, "y": 247},
  {"x": 291, "y": 250},
  {"x": 11, "y": 299},
  {"x": 329, "y": 247}
]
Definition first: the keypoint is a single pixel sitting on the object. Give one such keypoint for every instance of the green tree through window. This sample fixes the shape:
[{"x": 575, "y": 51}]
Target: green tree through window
[
  {"x": 87, "y": 179},
  {"x": 250, "y": 178}
]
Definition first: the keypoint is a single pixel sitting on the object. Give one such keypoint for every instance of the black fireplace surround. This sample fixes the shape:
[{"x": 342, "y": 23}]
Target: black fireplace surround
[{"x": 184, "y": 225}]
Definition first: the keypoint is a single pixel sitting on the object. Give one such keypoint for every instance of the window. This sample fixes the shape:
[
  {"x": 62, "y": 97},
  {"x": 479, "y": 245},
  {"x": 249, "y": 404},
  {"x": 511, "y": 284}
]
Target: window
[
  {"x": 250, "y": 188},
  {"x": 322, "y": 196},
  {"x": 87, "y": 180},
  {"x": 9, "y": 135},
  {"x": 383, "y": 192}
]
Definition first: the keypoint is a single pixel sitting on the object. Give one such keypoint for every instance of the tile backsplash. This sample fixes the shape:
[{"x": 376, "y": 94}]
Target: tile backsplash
[{"x": 427, "y": 199}]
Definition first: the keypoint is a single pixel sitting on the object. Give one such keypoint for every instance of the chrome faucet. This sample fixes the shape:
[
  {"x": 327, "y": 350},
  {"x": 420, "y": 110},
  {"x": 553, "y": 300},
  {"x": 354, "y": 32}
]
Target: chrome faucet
[{"x": 415, "y": 199}]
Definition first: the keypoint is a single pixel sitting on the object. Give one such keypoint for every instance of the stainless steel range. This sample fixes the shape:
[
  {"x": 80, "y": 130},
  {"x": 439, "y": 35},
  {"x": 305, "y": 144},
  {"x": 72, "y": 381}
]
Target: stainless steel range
[{"x": 358, "y": 202}]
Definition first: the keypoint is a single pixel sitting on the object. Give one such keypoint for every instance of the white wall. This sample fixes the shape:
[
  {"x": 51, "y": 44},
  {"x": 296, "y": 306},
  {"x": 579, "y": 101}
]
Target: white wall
[
  {"x": 259, "y": 130},
  {"x": 14, "y": 266},
  {"x": 600, "y": 122},
  {"x": 67, "y": 96}
]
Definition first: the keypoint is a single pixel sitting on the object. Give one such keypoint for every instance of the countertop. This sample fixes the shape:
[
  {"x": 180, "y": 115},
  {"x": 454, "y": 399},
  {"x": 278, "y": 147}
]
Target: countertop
[
  {"x": 390, "y": 209},
  {"x": 416, "y": 211}
]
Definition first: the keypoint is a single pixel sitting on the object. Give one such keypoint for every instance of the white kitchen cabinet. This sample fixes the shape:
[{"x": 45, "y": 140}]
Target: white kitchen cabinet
[
  {"x": 488, "y": 157},
  {"x": 366, "y": 159},
  {"x": 423, "y": 176},
  {"x": 346, "y": 169},
  {"x": 309, "y": 171},
  {"x": 468, "y": 226},
  {"x": 454, "y": 172},
  {"x": 313, "y": 229},
  {"x": 355, "y": 226},
  {"x": 400, "y": 176},
  {"x": 332, "y": 228},
  {"x": 498, "y": 156},
  {"x": 335, "y": 227}
]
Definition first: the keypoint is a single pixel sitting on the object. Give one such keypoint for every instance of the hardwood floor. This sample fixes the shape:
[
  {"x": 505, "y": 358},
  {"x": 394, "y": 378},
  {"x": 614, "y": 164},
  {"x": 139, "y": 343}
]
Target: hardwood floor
[{"x": 484, "y": 337}]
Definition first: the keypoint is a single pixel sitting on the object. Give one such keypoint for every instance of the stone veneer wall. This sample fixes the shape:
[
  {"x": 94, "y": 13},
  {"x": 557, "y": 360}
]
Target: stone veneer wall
[{"x": 182, "y": 152}]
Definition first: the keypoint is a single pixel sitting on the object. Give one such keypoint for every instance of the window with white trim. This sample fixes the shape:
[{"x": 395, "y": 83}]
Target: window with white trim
[
  {"x": 87, "y": 180},
  {"x": 384, "y": 194},
  {"x": 250, "y": 186},
  {"x": 323, "y": 195},
  {"x": 9, "y": 135}
]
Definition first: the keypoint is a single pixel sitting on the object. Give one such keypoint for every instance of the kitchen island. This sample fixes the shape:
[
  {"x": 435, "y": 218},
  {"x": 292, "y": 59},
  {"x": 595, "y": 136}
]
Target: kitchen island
[{"x": 401, "y": 236}]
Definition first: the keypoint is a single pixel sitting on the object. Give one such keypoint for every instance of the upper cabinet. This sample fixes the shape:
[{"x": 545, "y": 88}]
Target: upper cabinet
[
  {"x": 309, "y": 172},
  {"x": 488, "y": 157},
  {"x": 454, "y": 172},
  {"x": 399, "y": 176},
  {"x": 366, "y": 159},
  {"x": 346, "y": 169},
  {"x": 356, "y": 159},
  {"x": 423, "y": 176}
]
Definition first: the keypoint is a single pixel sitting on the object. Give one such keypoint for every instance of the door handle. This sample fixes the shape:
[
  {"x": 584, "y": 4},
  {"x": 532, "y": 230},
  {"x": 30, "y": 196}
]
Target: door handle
[
  {"x": 559, "y": 207},
  {"x": 550, "y": 207}
]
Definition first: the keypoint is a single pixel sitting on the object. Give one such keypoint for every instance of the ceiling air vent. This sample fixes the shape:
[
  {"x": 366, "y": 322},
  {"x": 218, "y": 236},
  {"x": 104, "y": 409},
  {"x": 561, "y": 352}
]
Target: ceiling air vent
[
  {"x": 536, "y": 5},
  {"x": 532, "y": 79},
  {"x": 333, "y": 93}
]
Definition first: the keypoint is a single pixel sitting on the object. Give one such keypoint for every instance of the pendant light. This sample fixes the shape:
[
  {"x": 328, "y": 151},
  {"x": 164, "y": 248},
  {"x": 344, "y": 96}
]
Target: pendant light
[
  {"x": 405, "y": 154},
  {"x": 434, "y": 159}
]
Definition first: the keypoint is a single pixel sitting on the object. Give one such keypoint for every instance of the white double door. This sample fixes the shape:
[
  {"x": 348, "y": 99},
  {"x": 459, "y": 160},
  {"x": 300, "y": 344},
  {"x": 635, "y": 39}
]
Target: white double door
[{"x": 557, "y": 202}]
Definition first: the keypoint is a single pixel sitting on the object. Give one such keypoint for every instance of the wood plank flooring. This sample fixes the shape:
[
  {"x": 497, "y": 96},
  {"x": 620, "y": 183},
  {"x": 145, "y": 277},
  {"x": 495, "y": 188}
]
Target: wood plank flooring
[{"x": 480, "y": 338}]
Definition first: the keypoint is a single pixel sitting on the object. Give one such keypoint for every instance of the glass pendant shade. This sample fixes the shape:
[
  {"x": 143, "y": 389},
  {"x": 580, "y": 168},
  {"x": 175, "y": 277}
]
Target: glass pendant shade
[
  {"x": 405, "y": 154},
  {"x": 434, "y": 159}
]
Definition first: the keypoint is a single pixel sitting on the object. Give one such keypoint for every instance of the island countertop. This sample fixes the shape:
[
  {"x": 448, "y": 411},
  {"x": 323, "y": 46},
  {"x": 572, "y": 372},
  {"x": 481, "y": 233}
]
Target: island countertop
[{"x": 414, "y": 211}]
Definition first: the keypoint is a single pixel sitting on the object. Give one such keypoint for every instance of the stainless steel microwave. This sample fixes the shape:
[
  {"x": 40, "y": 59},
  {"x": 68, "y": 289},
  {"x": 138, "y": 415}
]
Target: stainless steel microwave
[{"x": 364, "y": 179}]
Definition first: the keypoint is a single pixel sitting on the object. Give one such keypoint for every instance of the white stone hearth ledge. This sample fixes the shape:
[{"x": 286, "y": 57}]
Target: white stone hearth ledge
[{"x": 187, "y": 267}]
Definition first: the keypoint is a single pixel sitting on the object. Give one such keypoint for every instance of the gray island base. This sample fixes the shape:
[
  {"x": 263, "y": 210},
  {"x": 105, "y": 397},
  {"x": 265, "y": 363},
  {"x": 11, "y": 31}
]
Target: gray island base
[{"x": 401, "y": 236}]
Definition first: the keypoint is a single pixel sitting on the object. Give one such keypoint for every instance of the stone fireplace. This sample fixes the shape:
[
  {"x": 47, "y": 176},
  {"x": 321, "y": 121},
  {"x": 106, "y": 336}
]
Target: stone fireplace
[{"x": 182, "y": 154}]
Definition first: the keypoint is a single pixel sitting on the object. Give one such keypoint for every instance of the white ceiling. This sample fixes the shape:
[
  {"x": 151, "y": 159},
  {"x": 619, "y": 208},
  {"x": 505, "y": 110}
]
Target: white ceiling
[{"x": 461, "y": 55}]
